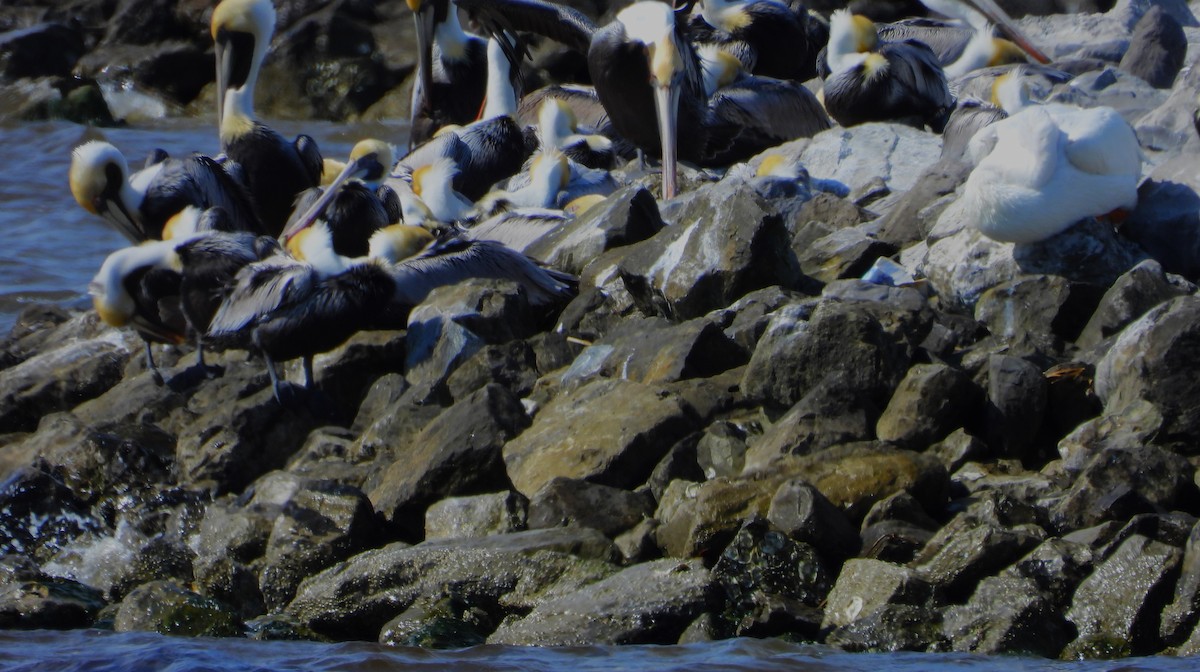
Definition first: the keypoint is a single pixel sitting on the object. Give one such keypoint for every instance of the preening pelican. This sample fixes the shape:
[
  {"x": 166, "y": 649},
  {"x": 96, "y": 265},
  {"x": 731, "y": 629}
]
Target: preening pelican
[
  {"x": 769, "y": 38},
  {"x": 451, "y": 70},
  {"x": 1046, "y": 167},
  {"x": 981, "y": 15},
  {"x": 890, "y": 81},
  {"x": 139, "y": 205},
  {"x": 275, "y": 170}
]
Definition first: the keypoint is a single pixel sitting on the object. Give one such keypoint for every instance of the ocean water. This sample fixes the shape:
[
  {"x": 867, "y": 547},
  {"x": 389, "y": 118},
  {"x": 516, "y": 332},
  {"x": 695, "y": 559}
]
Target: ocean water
[
  {"x": 94, "y": 651},
  {"x": 50, "y": 247}
]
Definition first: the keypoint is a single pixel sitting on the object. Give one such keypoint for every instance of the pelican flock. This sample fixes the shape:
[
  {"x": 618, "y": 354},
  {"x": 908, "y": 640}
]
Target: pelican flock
[{"x": 271, "y": 247}]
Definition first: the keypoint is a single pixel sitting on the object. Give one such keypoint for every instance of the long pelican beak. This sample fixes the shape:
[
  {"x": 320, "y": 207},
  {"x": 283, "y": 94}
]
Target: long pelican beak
[
  {"x": 221, "y": 48},
  {"x": 166, "y": 335},
  {"x": 357, "y": 168},
  {"x": 665, "y": 68},
  {"x": 999, "y": 18},
  {"x": 423, "y": 18},
  {"x": 121, "y": 217}
]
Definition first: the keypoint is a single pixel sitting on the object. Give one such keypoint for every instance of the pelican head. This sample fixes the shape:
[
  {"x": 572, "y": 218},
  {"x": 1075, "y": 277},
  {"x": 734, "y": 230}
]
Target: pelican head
[
  {"x": 720, "y": 67},
  {"x": 850, "y": 36},
  {"x": 1010, "y": 92},
  {"x": 370, "y": 161},
  {"x": 556, "y": 121},
  {"x": 653, "y": 25},
  {"x": 99, "y": 179},
  {"x": 433, "y": 184},
  {"x": 979, "y": 14},
  {"x": 728, "y": 15},
  {"x": 241, "y": 30},
  {"x": 398, "y": 241},
  {"x": 112, "y": 301},
  {"x": 314, "y": 245}
]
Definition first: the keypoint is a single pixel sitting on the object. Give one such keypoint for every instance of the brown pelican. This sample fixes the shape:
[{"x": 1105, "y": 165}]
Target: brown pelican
[
  {"x": 296, "y": 308},
  {"x": 769, "y": 38},
  {"x": 139, "y": 205},
  {"x": 890, "y": 81},
  {"x": 644, "y": 67},
  {"x": 1047, "y": 167},
  {"x": 451, "y": 70},
  {"x": 138, "y": 287},
  {"x": 981, "y": 15},
  {"x": 558, "y": 128},
  {"x": 355, "y": 204},
  {"x": 274, "y": 170}
]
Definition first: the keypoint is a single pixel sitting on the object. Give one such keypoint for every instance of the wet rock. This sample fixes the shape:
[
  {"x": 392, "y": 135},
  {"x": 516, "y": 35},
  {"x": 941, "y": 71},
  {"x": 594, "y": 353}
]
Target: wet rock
[
  {"x": 502, "y": 574},
  {"x": 649, "y": 603},
  {"x": 43, "y": 50},
  {"x": 1131, "y": 296},
  {"x": 724, "y": 242},
  {"x": 1157, "y": 49},
  {"x": 1037, "y": 314},
  {"x": 611, "y": 432},
  {"x": 458, "y": 453},
  {"x": 446, "y": 623},
  {"x": 771, "y": 583},
  {"x": 856, "y": 156},
  {"x": 893, "y": 541},
  {"x": 567, "y": 501},
  {"x": 29, "y": 599},
  {"x": 1015, "y": 407},
  {"x": 1181, "y": 614},
  {"x": 476, "y": 516},
  {"x": 962, "y": 263},
  {"x": 1143, "y": 366},
  {"x": 927, "y": 405},
  {"x": 864, "y": 587},
  {"x": 41, "y": 514},
  {"x": 1056, "y": 567},
  {"x": 803, "y": 514},
  {"x": 1007, "y": 615},
  {"x": 60, "y": 379},
  {"x": 279, "y": 628},
  {"x": 1117, "y": 609},
  {"x": 966, "y": 550},
  {"x": 229, "y": 544},
  {"x": 892, "y": 627},
  {"x": 114, "y": 562},
  {"x": 169, "y": 609},
  {"x": 827, "y": 415},
  {"x": 317, "y": 524},
  {"x": 797, "y": 351},
  {"x": 627, "y": 216}
]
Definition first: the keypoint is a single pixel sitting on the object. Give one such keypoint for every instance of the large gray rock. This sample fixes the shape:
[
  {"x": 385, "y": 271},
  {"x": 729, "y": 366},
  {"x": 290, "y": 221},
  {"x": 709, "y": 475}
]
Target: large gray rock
[
  {"x": 930, "y": 402},
  {"x": 654, "y": 350},
  {"x": 502, "y": 574},
  {"x": 476, "y": 516},
  {"x": 1142, "y": 288},
  {"x": 1143, "y": 365},
  {"x": 826, "y": 416},
  {"x": 1181, "y": 615},
  {"x": 170, "y": 609},
  {"x": 854, "y": 157},
  {"x": 29, "y": 599},
  {"x": 701, "y": 518},
  {"x": 649, "y": 603},
  {"x": 724, "y": 241},
  {"x": 611, "y": 432},
  {"x": 967, "y": 550},
  {"x": 1006, "y": 615},
  {"x": 61, "y": 378},
  {"x": 1037, "y": 314},
  {"x": 458, "y": 453},
  {"x": 627, "y": 216},
  {"x": 1157, "y": 49},
  {"x": 1015, "y": 407},
  {"x": 865, "y": 587},
  {"x": 566, "y": 501}
]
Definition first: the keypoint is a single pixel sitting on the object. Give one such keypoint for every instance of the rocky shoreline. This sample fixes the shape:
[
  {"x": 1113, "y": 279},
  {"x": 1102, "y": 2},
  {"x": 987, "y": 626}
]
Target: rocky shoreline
[{"x": 988, "y": 448}]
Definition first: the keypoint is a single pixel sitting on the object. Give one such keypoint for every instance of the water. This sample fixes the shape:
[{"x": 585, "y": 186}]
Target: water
[
  {"x": 94, "y": 651},
  {"x": 49, "y": 246}
]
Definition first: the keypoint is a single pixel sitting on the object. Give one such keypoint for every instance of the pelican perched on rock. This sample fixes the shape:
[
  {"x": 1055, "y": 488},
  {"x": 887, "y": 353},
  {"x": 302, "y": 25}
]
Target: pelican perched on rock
[
  {"x": 1047, "y": 167},
  {"x": 768, "y": 37},
  {"x": 644, "y": 68},
  {"x": 888, "y": 81},
  {"x": 451, "y": 70},
  {"x": 139, "y": 205},
  {"x": 275, "y": 171}
]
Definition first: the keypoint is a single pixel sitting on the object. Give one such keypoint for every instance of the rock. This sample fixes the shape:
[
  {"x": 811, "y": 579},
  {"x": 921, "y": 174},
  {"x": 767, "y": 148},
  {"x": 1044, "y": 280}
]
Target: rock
[
  {"x": 1142, "y": 366},
  {"x": 43, "y": 50},
  {"x": 458, "y": 453},
  {"x": 826, "y": 416},
  {"x": 317, "y": 524},
  {"x": 1037, "y": 314},
  {"x": 40, "y": 514},
  {"x": 1056, "y": 567},
  {"x": 1157, "y": 49},
  {"x": 721, "y": 450},
  {"x": 1181, "y": 614},
  {"x": 804, "y": 514},
  {"x": 929, "y": 403},
  {"x": 347, "y": 372},
  {"x": 957, "y": 449},
  {"x": 865, "y": 587},
  {"x": 724, "y": 242},
  {"x": 1131, "y": 296},
  {"x": 501, "y": 574},
  {"x": 567, "y": 502},
  {"x": 650, "y": 603},
  {"x": 476, "y": 516},
  {"x": 699, "y": 519},
  {"x": 1119, "y": 482},
  {"x": 229, "y": 544},
  {"x": 655, "y": 351},
  {"x": 962, "y": 263},
  {"x": 856, "y": 156},
  {"x": 915, "y": 212},
  {"x": 1006, "y": 615},
  {"x": 746, "y": 319},
  {"x": 279, "y": 628},
  {"x": 169, "y": 609},
  {"x": 512, "y": 365},
  {"x": 892, "y": 627},
  {"x": 900, "y": 506},
  {"x": 32, "y": 600},
  {"x": 60, "y": 379},
  {"x": 394, "y": 427},
  {"x": 1117, "y": 609},
  {"x": 679, "y": 464},
  {"x": 843, "y": 253},
  {"x": 967, "y": 550},
  {"x": 796, "y": 351},
  {"x": 610, "y": 432},
  {"x": 1168, "y": 126},
  {"x": 640, "y": 543},
  {"x": 115, "y": 563},
  {"x": 893, "y": 541},
  {"x": 448, "y": 622},
  {"x": 1015, "y": 407},
  {"x": 627, "y": 216}
]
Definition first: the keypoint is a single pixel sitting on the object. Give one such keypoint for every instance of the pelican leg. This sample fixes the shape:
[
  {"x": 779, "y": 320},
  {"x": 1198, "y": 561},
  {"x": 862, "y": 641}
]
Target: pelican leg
[
  {"x": 641, "y": 157},
  {"x": 208, "y": 371},
  {"x": 309, "y": 379},
  {"x": 154, "y": 372},
  {"x": 279, "y": 387}
]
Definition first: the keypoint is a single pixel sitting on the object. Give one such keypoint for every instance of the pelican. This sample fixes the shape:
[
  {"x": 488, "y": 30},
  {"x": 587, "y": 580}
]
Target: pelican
[
  {"x": 558, "y": 128},
  {"x": 890, "y": 81},
  {"x": 451, "y": 70},
  {"x": 138, "y": 206},
  {"x": 295, "y": 308},
  {"x": 275, "y": 170},
  {"x": 644, "y": 68},
  {"x": 981, "y": 15},
  {"x": 138, "y": 287},
  {"x": 767, "y": 37},
  {"x": 1047, "y": 167},
  {"x": 355, "y": 204}
]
